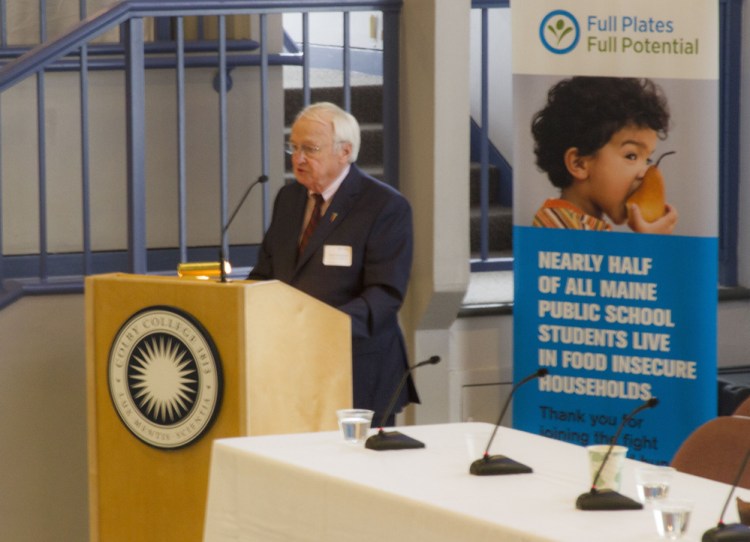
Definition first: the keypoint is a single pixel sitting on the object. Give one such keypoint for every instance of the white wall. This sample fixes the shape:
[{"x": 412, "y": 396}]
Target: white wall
[
  {"x": 500, "y": 103},
  {"x": 23, "y": 19},
  {"x": 326, "y": 29},
  {"x": 108, "y": 166},
  {"x": 43, "y": 421}
]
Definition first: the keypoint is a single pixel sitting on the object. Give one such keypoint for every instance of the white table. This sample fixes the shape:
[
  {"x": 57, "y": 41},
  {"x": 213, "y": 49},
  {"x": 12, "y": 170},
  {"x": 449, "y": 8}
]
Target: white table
[{"x": 314, "y": 487}]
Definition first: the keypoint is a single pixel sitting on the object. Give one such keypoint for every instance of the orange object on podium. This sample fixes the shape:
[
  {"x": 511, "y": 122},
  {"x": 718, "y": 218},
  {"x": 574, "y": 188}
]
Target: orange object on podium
[{"x": 173, "y": 364}]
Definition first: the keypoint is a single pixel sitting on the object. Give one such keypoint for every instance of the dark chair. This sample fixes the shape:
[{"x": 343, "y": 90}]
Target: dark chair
[
  {"x": 730, "y": 396},
  {"x": 715, "y": 450}
]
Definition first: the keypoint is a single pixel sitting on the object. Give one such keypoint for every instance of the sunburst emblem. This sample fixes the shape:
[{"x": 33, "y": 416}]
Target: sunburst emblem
[{"x": 164, "y": 377}]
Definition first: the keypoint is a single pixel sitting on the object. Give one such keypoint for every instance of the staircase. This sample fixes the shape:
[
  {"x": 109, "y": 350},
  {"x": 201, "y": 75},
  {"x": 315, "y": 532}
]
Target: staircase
[{"x": 366, "y": 106}]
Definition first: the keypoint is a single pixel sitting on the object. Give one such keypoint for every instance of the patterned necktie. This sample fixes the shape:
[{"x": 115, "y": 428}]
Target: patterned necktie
[{"x": 312, "y": 223}]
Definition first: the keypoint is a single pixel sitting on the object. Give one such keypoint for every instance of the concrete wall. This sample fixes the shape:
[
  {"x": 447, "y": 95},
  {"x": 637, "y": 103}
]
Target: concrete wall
[
  {"x": 434, "y": 173},
  {"x": 43, "y": 421}
]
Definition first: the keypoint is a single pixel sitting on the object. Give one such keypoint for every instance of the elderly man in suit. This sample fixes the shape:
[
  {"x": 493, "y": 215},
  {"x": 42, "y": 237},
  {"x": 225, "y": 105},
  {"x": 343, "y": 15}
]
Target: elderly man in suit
[{"x": 345, "y": 238}]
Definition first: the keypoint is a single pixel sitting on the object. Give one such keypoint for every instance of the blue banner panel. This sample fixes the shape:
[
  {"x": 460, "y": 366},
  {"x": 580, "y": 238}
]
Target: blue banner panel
[{"x": 617, "y": 318}]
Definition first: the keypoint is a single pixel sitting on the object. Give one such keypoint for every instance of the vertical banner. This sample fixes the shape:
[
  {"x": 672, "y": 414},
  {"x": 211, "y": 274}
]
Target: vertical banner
[{"x": 616, "y": 250}]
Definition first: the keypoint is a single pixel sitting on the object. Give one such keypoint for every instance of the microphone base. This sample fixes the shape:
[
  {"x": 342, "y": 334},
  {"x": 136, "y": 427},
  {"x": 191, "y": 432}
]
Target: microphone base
[
  {"x": 606, "y": 499},
  {"x": 498, "y": 464},
  {"x": 734, "y": 532},
  {"x": 392, "y": 440}
]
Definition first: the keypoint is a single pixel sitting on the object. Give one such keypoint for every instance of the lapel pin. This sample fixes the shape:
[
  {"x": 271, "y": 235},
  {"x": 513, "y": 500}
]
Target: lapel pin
[{"x": 333, "y": 216}]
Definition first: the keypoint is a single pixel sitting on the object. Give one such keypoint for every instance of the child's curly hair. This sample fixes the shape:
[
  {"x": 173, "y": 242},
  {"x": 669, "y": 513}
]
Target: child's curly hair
[{"x": 585, "y": 112}]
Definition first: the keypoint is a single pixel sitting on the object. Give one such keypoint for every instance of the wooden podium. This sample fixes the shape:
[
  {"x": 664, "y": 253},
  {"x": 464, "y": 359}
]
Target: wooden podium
[{"x": 283, "y": 365}]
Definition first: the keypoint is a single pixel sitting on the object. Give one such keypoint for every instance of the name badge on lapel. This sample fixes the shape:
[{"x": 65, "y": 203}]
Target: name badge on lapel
[{"x": 337, "y": 255}]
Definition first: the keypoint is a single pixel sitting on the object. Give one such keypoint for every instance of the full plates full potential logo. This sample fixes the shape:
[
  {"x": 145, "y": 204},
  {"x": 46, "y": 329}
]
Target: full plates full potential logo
[
  {"x": 606, "y": 34},
  {"x": 559, "y": 32},
  {"x": 165, "y": 377}
]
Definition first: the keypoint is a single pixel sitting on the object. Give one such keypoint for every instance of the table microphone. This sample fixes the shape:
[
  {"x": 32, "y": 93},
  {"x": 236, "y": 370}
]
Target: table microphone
[
  {"x": 500, "y": 464},
  {"x": 260, "y": 180},
  {"x": 393, "y": 440},
  {"x": 734, "y": 532},
  {"x": 608, "y": 499}
]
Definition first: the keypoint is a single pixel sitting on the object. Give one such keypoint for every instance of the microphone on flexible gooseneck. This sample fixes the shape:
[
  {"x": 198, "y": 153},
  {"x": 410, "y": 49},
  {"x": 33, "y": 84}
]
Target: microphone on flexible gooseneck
[
  {"x": 393, "y": 440},
  {"x": 260, "y": 180},
  {"x": 734, "y": 532},
  {"x": 595, "y": 499},
  {"x": 500, "y": 464}
]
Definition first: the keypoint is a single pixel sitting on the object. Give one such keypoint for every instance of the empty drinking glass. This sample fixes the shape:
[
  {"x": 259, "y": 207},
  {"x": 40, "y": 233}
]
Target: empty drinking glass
[
  {"x": 652, "y": 482},
  {"x": 354, "y": 424},
  {"x": 671, "y": 517}
]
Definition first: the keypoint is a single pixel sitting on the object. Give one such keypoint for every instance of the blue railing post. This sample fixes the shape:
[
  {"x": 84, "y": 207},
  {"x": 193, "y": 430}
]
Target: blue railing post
[
  {"x": 223, "y": 157},
  {"x": 347, "y": 61},
  {"x": 136, "y": 152},
  {"x": 391, "y": 127},
  {"x": 484, "y": 148},
  {"x": 181, "y": 168},
  {"x": 42, "y": 173},
  {"x": 265, "y": 126},
  {"x": 306, "y": 59},
  {"x": 85, "y": 158},
  {"x": 3, "y": 23},
  {"x": 2, "y": 251},
  {"x": 730, "y": 66}
]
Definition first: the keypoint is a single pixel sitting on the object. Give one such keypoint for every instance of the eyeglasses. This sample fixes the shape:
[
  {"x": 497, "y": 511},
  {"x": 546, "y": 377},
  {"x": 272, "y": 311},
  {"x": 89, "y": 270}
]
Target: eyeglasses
[{"x": 308, "y": 150}]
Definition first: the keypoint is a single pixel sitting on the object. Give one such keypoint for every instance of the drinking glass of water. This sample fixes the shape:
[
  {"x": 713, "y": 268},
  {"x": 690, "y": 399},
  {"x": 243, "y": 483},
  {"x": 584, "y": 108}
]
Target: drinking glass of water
[
  {"x": 652, "y": 482},
  {"x": 671, "y": 517},
  {"x": 354, "y": 424}
]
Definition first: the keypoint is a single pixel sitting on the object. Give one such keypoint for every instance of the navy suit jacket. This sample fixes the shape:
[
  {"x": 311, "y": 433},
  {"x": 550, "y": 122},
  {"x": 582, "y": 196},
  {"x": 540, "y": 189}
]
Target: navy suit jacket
[{"x": 375, "y": 221}]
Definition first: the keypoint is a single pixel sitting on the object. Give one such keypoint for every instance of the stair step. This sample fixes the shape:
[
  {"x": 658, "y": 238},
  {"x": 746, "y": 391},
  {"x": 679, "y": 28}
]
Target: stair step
[
  {"x": 371, "y": 147},
  {"x": 500, "y": 228},
  {"x": 366, "y": 105},
  {"x": 493, "y": 179}
]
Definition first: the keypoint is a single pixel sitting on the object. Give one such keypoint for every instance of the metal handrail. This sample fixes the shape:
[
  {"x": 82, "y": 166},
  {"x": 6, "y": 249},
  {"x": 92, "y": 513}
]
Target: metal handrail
[{"x": 44, "y": 54}]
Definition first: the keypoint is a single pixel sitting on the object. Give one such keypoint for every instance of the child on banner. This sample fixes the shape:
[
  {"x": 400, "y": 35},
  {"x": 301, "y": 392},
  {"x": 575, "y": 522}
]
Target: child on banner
[{"x": 594, "y": 139}]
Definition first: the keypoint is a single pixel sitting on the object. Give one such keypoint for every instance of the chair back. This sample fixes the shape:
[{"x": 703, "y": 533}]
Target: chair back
[
  {"x": 715, "y": 450},
  {"x": 743, "y": 409}
]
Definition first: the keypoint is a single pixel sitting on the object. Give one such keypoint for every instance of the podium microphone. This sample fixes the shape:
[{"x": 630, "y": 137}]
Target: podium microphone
[
  {"x": 734, "y": 532},
  {"x": 608, "y": 499},
  {"x": 393, "y": 440},
  {"x": 500, "y": 464},
  {"x": 223, "y": 271}
]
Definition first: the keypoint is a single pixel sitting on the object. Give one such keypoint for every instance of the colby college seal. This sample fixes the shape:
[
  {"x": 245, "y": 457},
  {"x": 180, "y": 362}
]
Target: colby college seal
[{"x": 165, "y": 377}]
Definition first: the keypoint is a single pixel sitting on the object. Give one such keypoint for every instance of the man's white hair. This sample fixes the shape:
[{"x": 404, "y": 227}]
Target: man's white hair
[{"x": 345, "y": 126}]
